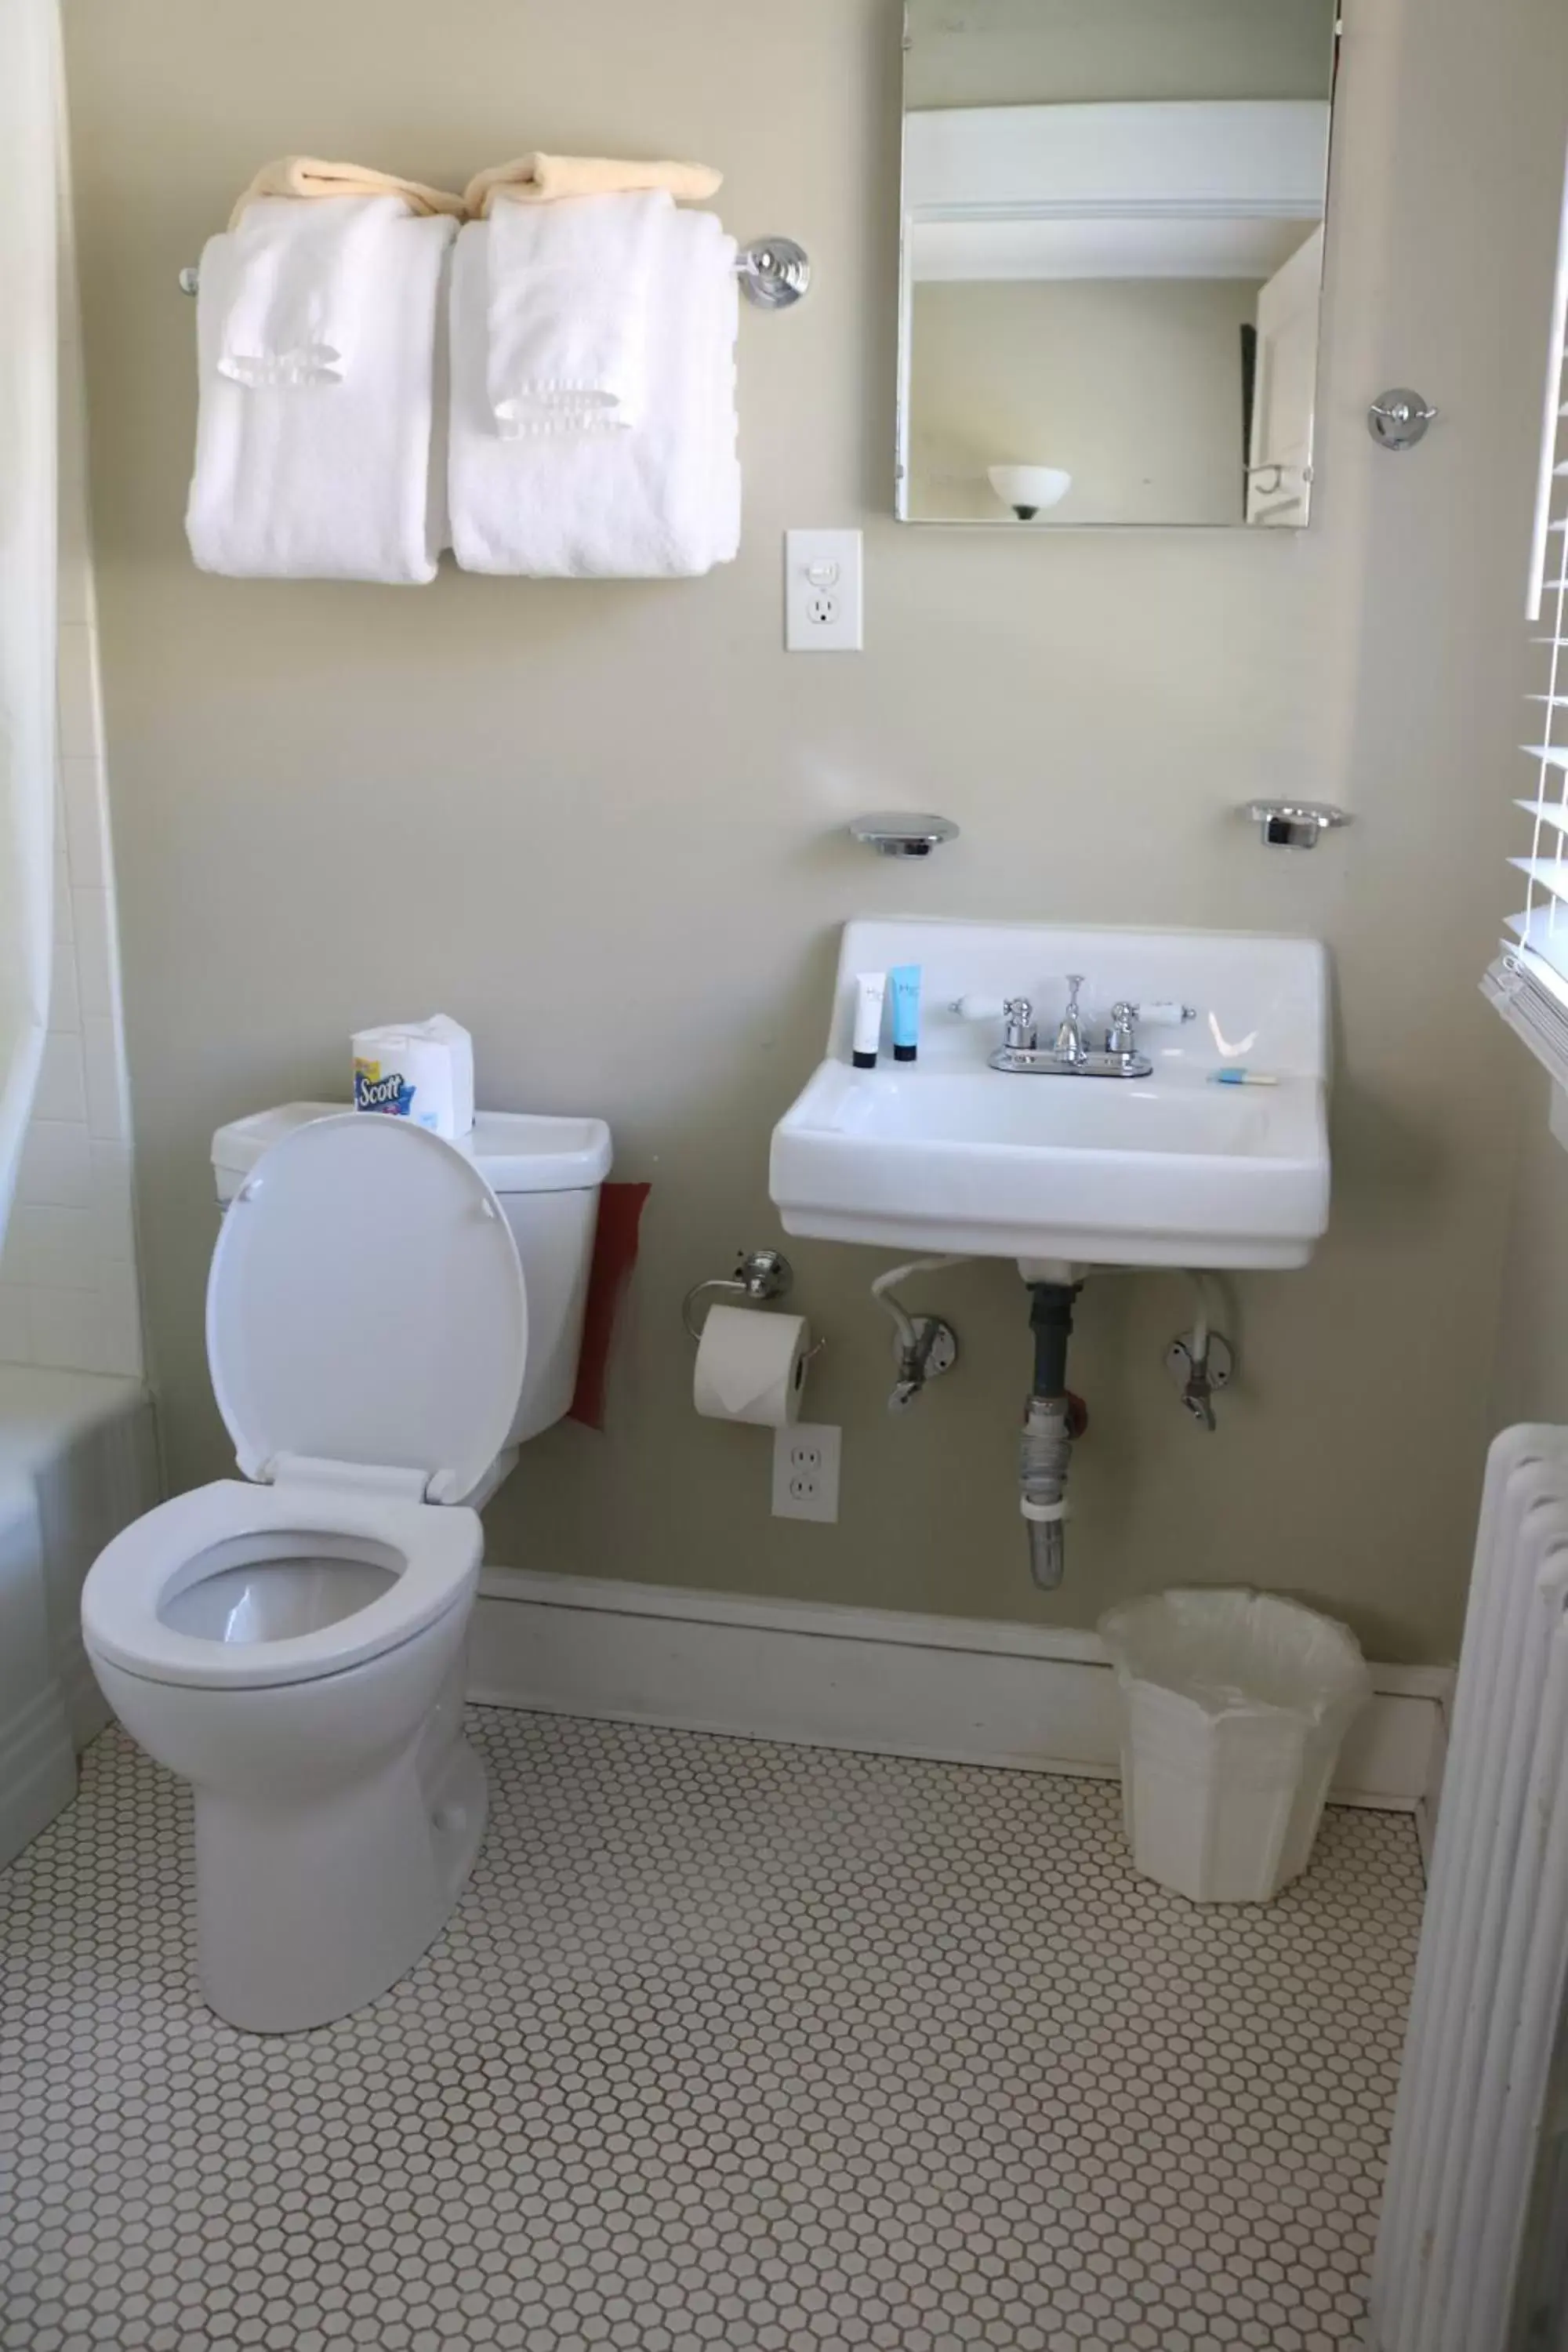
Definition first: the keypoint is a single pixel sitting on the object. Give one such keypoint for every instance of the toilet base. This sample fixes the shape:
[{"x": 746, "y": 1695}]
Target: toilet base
[
  {"x": 304, "y": 1914},
  {"x": 337, "y": 1819}
]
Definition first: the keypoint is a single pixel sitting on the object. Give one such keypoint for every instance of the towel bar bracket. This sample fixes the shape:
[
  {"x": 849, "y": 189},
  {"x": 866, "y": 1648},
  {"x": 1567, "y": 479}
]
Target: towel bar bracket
[{"x": 774, "y": 272}]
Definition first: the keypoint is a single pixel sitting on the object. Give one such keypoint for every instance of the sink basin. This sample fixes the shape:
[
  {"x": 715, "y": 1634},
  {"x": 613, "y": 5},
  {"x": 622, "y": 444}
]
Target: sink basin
[{"x": 947, "y": 1154}]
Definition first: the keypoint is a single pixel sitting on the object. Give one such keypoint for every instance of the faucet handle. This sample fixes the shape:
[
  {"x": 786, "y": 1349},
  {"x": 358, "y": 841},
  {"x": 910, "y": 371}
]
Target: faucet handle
[
  {"x": 1121, "y": 1037},
  {"x": 1016, "y": 1012},
  {"x": 1158, "y": 1012},
  {"x": 1075, "y": 981},
  {"x": 1020, "y": 1035}
]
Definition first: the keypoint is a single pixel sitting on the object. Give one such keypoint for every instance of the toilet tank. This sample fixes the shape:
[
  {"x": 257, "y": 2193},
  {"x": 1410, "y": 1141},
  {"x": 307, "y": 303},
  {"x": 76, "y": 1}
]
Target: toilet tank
[{"x": 547, "y": 1173}]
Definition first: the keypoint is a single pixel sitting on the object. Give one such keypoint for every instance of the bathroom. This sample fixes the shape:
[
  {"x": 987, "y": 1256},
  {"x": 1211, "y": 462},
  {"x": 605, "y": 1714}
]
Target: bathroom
[{"x": 606, "y": 824}]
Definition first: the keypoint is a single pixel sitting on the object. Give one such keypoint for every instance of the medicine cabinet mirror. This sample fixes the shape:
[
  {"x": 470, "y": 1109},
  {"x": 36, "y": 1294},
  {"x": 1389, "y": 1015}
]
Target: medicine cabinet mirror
[{"x": 1110, "y": 261}]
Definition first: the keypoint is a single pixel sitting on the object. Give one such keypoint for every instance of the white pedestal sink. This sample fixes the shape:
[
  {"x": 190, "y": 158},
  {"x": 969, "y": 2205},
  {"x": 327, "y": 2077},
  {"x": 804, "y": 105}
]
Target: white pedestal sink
[{"x": 1173, "y": 1169}]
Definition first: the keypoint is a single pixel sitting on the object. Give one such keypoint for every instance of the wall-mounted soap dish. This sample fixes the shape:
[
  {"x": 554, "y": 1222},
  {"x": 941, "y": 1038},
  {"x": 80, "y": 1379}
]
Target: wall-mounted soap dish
[
  {"x": 903, "y": 833},
  {"x": 1293, "y": 824}
]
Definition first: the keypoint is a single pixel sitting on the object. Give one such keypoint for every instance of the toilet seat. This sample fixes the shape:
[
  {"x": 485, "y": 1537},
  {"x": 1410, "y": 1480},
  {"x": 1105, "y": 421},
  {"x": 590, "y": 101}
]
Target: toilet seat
[
  {"x": 434, "y": 1550},
  {"x": 366, "y": 1310}
]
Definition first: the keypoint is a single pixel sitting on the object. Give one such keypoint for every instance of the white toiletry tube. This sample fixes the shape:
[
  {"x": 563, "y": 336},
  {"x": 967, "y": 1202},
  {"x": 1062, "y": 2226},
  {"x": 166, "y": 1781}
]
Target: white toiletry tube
[{"x": 870, "y": 988}]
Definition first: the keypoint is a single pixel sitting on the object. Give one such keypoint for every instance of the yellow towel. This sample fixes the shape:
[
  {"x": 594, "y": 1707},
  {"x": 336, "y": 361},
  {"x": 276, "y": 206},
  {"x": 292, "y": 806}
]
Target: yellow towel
[
  {"x": 307, "y": 176},
  {"x": 542, "y": 179}
]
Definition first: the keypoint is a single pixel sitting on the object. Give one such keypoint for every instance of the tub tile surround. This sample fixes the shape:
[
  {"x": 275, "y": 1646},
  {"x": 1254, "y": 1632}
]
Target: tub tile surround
[
  {"x": 68, "y": 1296},
  {"x": 79, "y": 1461},
  {"x": 727, "y": 2043}
]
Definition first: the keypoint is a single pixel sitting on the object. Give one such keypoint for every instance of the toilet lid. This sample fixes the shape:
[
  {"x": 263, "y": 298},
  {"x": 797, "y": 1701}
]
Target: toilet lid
[{"x": 366, "y": 1305}]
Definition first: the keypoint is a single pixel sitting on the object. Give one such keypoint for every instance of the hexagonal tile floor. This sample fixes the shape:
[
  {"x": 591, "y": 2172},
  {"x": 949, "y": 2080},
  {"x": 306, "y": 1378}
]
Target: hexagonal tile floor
[{"x": 728, "y": 2044}]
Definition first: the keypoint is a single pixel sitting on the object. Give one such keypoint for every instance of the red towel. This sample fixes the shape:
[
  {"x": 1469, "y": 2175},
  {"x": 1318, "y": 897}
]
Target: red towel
[{"x": 615, "y": 1254}]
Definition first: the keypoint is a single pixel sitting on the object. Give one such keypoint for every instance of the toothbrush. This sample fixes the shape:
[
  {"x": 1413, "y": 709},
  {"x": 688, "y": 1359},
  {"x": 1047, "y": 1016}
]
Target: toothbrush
[{"x": 1241, "y": 1078}]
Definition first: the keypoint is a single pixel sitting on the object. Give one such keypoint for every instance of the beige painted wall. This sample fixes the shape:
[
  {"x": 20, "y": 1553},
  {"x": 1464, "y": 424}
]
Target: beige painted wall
[
  {"x": 1133, "y": 384},
  {"x": 601, "y": 824},
  {"x": 1021, "y": 52}
]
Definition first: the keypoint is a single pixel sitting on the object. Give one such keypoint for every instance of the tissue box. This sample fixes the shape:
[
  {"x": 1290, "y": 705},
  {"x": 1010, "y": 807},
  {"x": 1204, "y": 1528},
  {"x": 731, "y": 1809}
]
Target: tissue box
[{"x": 418, "y": 1070}]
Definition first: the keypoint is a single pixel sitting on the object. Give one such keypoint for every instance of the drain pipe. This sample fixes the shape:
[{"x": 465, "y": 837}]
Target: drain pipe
[{"x": 1045, "y": 1450}]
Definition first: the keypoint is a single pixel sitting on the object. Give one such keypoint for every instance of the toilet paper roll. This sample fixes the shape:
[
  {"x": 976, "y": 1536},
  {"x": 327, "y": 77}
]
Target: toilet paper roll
[
  {"x": 422, "y": 1071},
  {"x": 750, "y": 1366}
]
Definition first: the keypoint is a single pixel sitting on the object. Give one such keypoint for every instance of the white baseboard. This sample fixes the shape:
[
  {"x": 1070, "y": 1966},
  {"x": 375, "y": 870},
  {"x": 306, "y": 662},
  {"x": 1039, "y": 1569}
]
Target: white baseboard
[{"x": 960, "y": 1690}]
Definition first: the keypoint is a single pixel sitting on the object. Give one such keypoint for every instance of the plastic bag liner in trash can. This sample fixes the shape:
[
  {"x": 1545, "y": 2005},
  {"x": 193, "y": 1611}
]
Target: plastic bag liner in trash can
[{"x": 1234, "y": 1707}]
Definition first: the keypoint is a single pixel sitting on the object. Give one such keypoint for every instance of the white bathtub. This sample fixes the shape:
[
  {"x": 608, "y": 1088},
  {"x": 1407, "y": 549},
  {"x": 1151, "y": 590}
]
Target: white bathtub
[{"x": 78, "y": 1461}]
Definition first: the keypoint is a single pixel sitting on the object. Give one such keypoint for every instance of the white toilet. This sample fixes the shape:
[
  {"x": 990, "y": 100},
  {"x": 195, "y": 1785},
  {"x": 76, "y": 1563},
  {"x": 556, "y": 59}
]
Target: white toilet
[{"x": 389, "y": 1317}]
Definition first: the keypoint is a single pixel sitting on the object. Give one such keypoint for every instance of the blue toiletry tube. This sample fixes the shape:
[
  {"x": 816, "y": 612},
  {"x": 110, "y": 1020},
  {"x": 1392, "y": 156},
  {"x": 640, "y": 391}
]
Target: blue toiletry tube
[{"x": 904, "y": 993}]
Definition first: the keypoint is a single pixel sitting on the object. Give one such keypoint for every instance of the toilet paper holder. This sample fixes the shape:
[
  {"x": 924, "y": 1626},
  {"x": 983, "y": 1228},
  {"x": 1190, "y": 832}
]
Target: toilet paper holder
[{"x": 760, "y": 1277}]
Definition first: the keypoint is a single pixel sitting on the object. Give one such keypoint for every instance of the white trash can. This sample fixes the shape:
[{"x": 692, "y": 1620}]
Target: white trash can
[{"x": 1234, "y": 1707}]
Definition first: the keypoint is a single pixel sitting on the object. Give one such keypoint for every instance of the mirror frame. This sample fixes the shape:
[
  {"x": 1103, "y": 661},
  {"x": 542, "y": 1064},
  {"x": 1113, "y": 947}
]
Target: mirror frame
[{"x": 901, "y": 416}]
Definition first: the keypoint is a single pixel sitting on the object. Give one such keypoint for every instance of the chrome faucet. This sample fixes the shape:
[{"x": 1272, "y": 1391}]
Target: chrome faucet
[
  {"x": 1070, "y": 1048},
  {"x": 1070, "y": 1053}
]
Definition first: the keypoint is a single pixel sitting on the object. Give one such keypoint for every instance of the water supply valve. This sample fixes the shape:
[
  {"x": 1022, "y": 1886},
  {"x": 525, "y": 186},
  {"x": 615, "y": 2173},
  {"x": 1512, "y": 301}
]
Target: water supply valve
[
  {"x": 1201, "y": 1368},
  {"x": 932, "y": 1350}
]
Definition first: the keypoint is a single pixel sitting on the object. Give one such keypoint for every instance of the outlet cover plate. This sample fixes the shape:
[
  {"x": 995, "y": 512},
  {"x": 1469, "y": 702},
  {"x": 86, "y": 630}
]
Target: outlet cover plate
[
  {"x": 805, "y": 1471},
  {"x": 822, "y": 592}
]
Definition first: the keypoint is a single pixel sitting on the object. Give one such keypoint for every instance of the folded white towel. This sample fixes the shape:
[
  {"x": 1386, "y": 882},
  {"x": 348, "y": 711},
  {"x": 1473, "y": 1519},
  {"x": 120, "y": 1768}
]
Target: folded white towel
[
  {"x": 326, "y": 481},
  {"x": 660, "y": 501},
  {"x": 568, "y": 311},
  {"x": 300, "y": 274}
]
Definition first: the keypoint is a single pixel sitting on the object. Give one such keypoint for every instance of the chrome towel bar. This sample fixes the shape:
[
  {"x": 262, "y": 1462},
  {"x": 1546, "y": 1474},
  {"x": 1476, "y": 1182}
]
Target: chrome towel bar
[{"x": 774, "y": 272}]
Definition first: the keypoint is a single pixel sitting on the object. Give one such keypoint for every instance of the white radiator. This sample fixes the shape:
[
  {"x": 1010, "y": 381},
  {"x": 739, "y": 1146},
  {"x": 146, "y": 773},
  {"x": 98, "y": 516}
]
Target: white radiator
[{"x": 1471, "y": 2131}]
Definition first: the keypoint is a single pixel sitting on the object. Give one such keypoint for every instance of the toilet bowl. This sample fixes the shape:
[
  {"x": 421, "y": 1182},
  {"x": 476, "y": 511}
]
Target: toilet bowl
[{"x": 293, "y": 1643}]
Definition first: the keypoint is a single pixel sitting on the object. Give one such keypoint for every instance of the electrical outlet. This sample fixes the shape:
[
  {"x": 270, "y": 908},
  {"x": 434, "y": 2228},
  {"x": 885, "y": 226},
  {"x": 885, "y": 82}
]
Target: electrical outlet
[
  {"x": 822, "y": 592},
  {"x": 805, "y": 1471}
]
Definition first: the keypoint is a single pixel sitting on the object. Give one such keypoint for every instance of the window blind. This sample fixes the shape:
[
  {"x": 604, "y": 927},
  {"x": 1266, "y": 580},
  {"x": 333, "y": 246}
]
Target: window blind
[{"x": 1529, "y": 981}]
